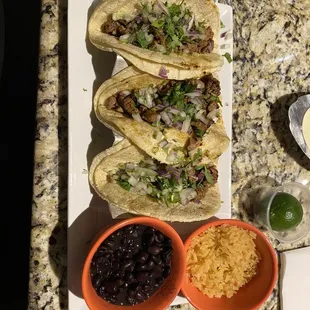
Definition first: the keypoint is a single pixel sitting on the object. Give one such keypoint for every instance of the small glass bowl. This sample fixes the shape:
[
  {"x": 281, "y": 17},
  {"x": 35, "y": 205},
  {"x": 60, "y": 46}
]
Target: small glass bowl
[{"x": 300, "y": 192}]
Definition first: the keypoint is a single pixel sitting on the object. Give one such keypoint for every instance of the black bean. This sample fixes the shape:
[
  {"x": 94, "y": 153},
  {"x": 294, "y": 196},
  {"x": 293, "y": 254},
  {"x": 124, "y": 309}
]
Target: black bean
[
  {"x": 146, "y": 287},
  {"x": 142, "y": 276},
  {"x": 120, "y": 274},
  {"x": 135, "y": 233},
  {"x": 141, "y": 267},
  {"x": 109, "y": 243},
  {"x": 150, "y": 230},
  {"x": 103, "y": 268},
  {"x": 166, "y": 250},
  {"x": 154, "y": 250},
  {"x": 97, "y": 280},
  {"x": 133, "y": 286},
  {"x": 119, "y": 282},
  {"x": 127, "y": 264},
  {"x": 111, "y": 299},
  {"x": 93, "y": 270},
  {"x": 131, "y": 268},
  {"x": 127, "y": 255},
  {"x": 131, "y": 300},
  {"x": 100, "y": 260},
  {"x": 131, "y": 293},
  {"x": 167, "y": 257},
  {"x": 124, "y": 241},
  {"x": 150, "y": 265},
  {"x": 125, "y": 285},
  {"x": 157, "y": 271},
  {"x": 104, "y": 249},
  {"x": 118, "y": 255},
  {"x": 159, "y": 280},
  {"x": 156, "y": 259},
  {"x": 115, "y": 266},
  {"x": 166, "y": 272},
  {"x": 150, "y": 239},
  {"x": 142, "y": 258},
  {"x": 140, "y": 296},
  {"x": 128, "y": 277},
  {"x": 167, "y": 241},
  {"x": 160, "y": 236},
  {"x": 111, "y": 286},
  {"x": 103, "y": 292}
]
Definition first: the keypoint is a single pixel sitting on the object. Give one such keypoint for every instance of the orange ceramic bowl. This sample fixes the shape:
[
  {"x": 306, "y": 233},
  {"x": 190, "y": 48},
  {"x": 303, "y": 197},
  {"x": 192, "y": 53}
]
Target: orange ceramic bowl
[
  {"x": 255, "y": 292},
  {"x": 163, "y": 297}
]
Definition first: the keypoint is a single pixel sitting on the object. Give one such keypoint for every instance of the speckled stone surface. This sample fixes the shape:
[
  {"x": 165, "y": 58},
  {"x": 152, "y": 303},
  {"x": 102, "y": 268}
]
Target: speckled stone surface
[{"x": 271, "y": 69}]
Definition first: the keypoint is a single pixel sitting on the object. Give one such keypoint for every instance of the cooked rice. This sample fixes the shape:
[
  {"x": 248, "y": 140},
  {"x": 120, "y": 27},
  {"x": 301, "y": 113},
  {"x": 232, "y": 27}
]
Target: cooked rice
[{"x": 222, "y": 259}]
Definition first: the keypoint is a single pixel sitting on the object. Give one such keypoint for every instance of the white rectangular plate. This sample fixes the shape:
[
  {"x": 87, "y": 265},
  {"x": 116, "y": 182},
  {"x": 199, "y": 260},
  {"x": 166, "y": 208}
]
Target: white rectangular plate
[{"x": 88, "y": 67}]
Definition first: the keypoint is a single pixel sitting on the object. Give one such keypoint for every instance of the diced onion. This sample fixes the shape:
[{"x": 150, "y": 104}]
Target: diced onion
[
  {"x": 165, "y": 118},
  {"x": 125, "y": 92},
  {"x": 191, "y": 22},
  {"x": 213, "y": 115},
  {"x": 141, "y": 186},
  {"x": 186, "y": 124},
  {"x": 171, "y": 156},
  {"x": 187, "y": 194},
  {"x": 163, "y": 7},
  {"x": 200, "y": 85},
  {"x": 149, "y": 190},
  {"x": 137, "y": 117},
  {"x": 132, "y": 181},
  {"x": 159, "y": 136},
  {"x": 183, "y": 114},
  {"x": 195, "y": 100},
  {"x": 124, "y": 37},
  {"x": 201, "y": 117},
  {"x": 149, "y": 100},
  {"x": 194, "y": 94},
  {"x": 174, "y": 111},
  {"x": 130, "y": 166}
]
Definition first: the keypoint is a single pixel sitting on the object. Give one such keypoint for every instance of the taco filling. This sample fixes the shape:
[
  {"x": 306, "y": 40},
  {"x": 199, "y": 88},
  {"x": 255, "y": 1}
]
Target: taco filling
[
  {"x": 166, "y": 183},
  {"x": 191, "y": 106},
  {"x": 162, "y": 27}
]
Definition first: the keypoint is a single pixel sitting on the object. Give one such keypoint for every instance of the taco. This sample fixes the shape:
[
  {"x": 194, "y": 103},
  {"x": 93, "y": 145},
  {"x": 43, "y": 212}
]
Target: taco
[
  {"x": 173, "y": 40},
  {"x": 171, "y": 120},
  {"x": 125, "y": 176}
]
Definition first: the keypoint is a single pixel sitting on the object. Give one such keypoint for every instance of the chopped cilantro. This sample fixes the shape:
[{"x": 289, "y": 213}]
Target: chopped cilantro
[
  {"x": 159, "y": 23},
  {"x": 199, "y": 167},
  {"x": 199, "y": 133},
  {"x": 124, "y": 184},
  {"x": 228, "y": 57},
  {"x": 174, "y": 10},
  {"x": 222, "y": 24},
  {"x": 197, "y": 155},
  {"x": 142, "y": 39},
  {"x": 217, "y": 99},
  {"x": 209, "y": 176}
]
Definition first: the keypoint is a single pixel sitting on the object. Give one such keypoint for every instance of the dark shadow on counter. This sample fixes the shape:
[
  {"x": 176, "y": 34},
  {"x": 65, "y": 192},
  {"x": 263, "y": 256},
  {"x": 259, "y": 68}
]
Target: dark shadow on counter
[
  {"x": 280, "y": 127},
  {"x": 58, "y": 239}
]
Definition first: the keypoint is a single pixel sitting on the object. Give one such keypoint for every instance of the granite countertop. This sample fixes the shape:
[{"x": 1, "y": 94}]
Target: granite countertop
[{"x": 271, "y": 69}]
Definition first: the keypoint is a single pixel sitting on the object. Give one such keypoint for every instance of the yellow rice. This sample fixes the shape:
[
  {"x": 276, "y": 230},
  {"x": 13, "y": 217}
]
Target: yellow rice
[{"x": 221, "y": 260}]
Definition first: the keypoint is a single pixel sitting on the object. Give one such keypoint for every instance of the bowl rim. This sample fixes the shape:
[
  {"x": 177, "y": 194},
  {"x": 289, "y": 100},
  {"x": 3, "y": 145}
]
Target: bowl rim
[
  {"x": 109, "y": 229},
  {"x": 281, "y": 189},
  {"x": 246, "y": 225}
]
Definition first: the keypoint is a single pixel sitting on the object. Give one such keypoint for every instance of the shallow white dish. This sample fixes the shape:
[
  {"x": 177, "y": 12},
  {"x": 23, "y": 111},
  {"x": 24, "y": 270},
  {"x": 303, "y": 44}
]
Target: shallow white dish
[
  {"x": 296, "y": 114},
  {"x": 88, "y": 67}
]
